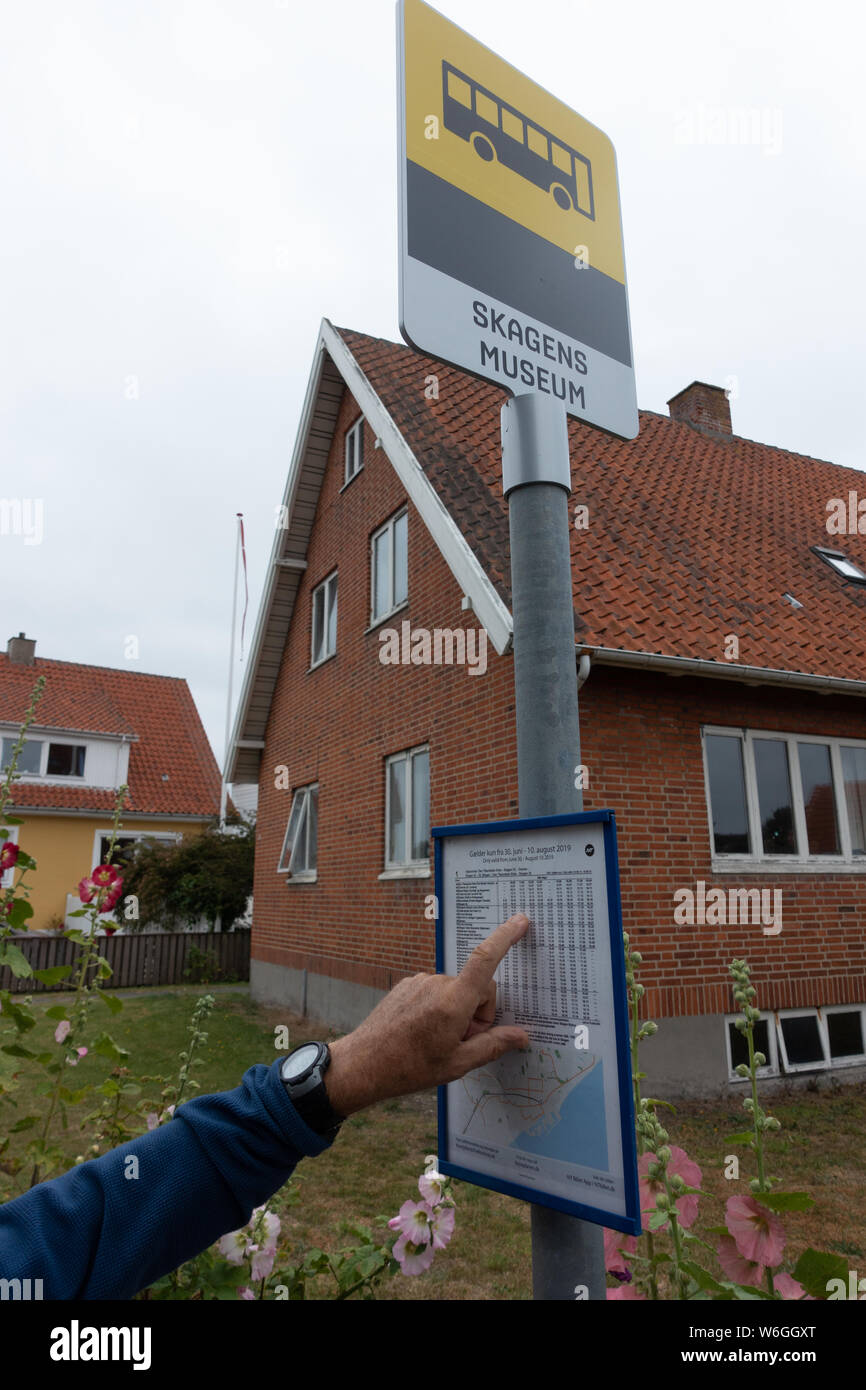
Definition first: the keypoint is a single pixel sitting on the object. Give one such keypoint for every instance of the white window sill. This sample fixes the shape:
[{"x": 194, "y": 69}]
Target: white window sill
[
  {"x": 377, "y": 622},
  {"x": 349, "y": 481},
  {"x": 299, "y": 878},
  {"x": 407, "y": 871},
  {"x": 323, "y": 662},
  {"x": 774, "y": 868}
]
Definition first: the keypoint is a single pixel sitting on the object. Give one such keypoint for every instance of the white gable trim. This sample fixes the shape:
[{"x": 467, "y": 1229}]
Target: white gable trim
[{"x": 457, "y": 554}]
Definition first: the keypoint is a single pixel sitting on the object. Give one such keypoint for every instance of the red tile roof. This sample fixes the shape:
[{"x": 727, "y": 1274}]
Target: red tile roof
[
  {"x": 158, "y": 712},
  {"x": 691, "y": 536}
]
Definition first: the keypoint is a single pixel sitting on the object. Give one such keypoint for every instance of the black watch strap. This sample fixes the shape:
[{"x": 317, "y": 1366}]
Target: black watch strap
[{"x": 310, "y": 1098}]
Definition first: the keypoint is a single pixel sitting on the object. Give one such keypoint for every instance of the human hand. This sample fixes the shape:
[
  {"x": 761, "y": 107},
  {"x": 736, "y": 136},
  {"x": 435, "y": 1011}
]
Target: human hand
[{"x": 430, "y": 1029}]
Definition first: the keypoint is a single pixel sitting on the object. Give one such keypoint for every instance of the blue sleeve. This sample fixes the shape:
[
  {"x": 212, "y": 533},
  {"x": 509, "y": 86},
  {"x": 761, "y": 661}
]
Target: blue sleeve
[{"x": 97, "y": 1233}]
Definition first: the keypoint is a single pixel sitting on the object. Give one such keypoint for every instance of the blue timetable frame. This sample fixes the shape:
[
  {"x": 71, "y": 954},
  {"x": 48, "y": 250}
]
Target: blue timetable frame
[{"x": 630, "y": 1222}]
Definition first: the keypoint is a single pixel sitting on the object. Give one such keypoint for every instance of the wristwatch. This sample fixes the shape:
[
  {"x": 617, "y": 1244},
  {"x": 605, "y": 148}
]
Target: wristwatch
[{"x": 303, "y": 1075}]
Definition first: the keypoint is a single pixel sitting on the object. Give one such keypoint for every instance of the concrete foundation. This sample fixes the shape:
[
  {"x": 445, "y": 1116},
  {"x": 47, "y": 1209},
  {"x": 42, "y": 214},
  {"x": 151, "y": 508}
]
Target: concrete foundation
[{"x": 685, "y": 1060}]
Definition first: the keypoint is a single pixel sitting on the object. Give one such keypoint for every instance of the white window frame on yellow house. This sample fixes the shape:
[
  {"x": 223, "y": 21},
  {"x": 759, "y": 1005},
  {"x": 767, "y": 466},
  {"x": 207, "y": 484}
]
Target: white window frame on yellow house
[
  {"x": 168, "y": 836},
  {"x": 46, "y": 743}
]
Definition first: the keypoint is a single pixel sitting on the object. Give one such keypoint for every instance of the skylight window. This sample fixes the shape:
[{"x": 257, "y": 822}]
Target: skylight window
[{"x": 841, "y": 564}]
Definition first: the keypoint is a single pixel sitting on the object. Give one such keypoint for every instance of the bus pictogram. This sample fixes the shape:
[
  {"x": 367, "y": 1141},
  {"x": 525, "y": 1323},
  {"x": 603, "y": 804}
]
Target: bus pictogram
[{"x": 497, "y": 130}]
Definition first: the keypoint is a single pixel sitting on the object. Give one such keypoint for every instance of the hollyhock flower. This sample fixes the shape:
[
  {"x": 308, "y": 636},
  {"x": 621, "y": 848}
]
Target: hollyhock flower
[
  {"x": 735, "y": 1267},
  {"x": 679, "y": 1165},
  {"x": 105, "y": 876},
  {"x": 412, "y": 1258},
  {"x": 8, "y": 855},
  {"x": 263, "y": 1263},
  {"x": 789, "y": 1288},
  {"x": 152, "y": 1120},
  {"x": 73, "y": 1061},
  {"x": 87, "y": 890},
  {"x": 112, "y": 897},
  {"x": 413, "y": 1221},
  {"x": 758, "y": 1232},
  {"x": 625, "y": 1292},
  {"x": 233, "y": 1247},
  {"x": 431, "y": 1185},
  {"x": 614, "y": 1261},
  {"x": 244, "y": 1292},
  {"x": 442, "y": 1226},
  {"x": 61, "y": 1030}
]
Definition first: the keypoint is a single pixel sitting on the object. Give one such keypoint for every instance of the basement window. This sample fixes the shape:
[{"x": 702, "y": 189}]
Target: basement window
[
  {"x": 738, "y": 1047},
  {"x": 802, "y": 1040},
  {"x": 846, "y": 1034},
  {"x": 841, "y": 564},
  {"x": 298, "y": 859}
]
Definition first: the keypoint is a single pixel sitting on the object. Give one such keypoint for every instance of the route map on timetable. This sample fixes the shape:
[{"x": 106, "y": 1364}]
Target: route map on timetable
[{"x": 549, "y": 1117}]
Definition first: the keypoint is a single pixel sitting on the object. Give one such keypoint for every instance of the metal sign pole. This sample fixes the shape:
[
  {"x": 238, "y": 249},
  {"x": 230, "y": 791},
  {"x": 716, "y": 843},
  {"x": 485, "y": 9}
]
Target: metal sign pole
[{"x": 567, "y": 1253}]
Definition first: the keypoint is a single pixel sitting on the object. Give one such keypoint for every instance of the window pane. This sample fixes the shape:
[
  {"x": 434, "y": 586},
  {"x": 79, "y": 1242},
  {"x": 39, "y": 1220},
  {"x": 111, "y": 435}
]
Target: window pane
[
  {"x": 292, "y": 829},
  {"x": 802, "y": 1039},
  {"x": 401, "y": 560},
  {"x": 774, "y": 796},
  {"x": 420, "y": 805},
  {"x": 740, "y": 1048},
  {"x": 318, "y": 623},
  {"x": 297, "y": 862},
  {"x": 29, "y": 758},
  {"x": 359, "y": 445},
  {"x": 727, "y": 795},
  {"x": 332, "y": 617},
  {"x": 397, "y": 812},
  {"x": 65, "y": 760},
  {"x": 818, "y": 798},
  {"x": 381, "y": 574},
  {"x": 845, "y": 1034},
  {"x": 312, "y": 828},
  {"x": 854, "y": 772}
]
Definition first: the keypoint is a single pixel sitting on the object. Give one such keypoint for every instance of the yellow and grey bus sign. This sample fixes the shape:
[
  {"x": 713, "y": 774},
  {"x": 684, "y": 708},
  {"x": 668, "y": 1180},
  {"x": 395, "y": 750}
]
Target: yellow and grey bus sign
[{"x": 511, "y": 255}]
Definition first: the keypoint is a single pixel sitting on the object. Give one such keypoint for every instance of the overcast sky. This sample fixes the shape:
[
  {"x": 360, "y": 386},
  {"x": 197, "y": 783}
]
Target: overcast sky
[{"x": 188, "y": 186}]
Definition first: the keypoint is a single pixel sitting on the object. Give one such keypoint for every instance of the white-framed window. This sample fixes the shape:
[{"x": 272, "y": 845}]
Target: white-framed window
[
  {"x": 791, "y": 801},
  {"x": 324, "y": 634},
  {"x": 389, "y": 561},
  {"x": 806, "y": 1039},
  {"x": 46, "y": 757},
  {"x": 354, "y": 449},
  {"x": 124, "y": 845},
  {"x": 7, "y": 877},
  {"x": 838, "y": 561},
  {"x": 298, "y": 859},
  {"x": 407, "y": 809},
  {"x": 738, "y": 1048}
]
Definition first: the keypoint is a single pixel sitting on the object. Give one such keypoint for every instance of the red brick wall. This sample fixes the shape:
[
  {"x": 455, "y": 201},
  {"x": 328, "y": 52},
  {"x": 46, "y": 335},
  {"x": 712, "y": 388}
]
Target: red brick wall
[{"x": 640, "y": 740}]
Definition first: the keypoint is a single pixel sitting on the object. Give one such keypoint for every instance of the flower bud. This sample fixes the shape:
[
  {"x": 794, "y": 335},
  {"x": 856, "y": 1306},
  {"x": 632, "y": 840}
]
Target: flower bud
[
  {"x": 662, "y": 1201},
  {"x": 637, "y": 958},
  {"x": 742, "y": 1069},
  {"x": 771, "y": 1123},
  {"x": 760, "y": 1059},
  {"x": 664, "y": 1154}
]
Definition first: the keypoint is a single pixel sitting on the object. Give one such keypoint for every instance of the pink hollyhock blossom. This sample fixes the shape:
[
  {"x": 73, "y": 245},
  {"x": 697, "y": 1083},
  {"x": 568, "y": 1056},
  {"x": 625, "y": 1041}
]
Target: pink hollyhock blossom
[
  {"x": 431, "y": 1185},
  {"x": 625, "y": 1291},
  {"x": 263, "y": 1263},
  {"x": 87, "y": 890},
  {"x": 244, "y": 1292},
  {"x": 735, "y": 1267},
  {"x": 788, "y": 1287},
  {"x": 758, "y": 1232},
  {"x": 105, "y": 876},
  {"x": 233, "y": 1247},
  {"x": 73, "y": 1061},
  {"x": 412, "y": 1258},
  {"x": 413, "y": 1221},
  {"x": 614, "y": 1242},
  {"x": 679, "y": 1165},
  {"x": 442, "y": 1226},
  {"x": 152, "y": 1120},
  {"x": 112, "y": 897},
  {"x": 8, "y": 855},
  {"x": 62, "y": 1029}
]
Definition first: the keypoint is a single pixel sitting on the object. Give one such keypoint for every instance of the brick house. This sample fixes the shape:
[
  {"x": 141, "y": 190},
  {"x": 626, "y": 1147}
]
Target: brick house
[
  {"x": 722, "y": 670},
  {"x": 95, "y": 729}
]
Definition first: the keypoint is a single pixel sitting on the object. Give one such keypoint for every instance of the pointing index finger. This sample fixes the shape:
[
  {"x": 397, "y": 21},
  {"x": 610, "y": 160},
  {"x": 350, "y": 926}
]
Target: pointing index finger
[{"x": 481, "y": 965}]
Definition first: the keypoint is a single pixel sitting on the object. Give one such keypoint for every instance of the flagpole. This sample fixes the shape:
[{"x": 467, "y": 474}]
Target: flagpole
[{"x": 226, "y": 750}]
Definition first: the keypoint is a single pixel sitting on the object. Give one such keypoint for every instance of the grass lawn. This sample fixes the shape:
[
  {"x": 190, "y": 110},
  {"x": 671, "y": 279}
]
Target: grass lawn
[{"x": 374, "y": 1165}]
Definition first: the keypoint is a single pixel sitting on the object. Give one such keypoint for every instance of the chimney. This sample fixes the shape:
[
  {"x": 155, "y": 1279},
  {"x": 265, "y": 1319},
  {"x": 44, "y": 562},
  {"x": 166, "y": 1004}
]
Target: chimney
[
  {"x": 21, "y": 650},
  {"x": 705, "y": 408}
]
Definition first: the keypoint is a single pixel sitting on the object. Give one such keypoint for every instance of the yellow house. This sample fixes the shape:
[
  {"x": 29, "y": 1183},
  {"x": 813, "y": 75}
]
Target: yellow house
[{"x": 95, "y": 729}]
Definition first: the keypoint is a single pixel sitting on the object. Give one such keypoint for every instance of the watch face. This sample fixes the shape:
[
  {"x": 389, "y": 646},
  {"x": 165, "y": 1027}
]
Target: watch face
[{"x": 298, "y": 1062}]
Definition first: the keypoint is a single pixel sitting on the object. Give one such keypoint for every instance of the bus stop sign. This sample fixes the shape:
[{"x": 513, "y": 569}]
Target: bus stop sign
[{"x": 511, "y": 252}]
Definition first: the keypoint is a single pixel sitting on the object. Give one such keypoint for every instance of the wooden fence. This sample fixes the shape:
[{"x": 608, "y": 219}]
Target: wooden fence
[{"x": 146, "y": 958}]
